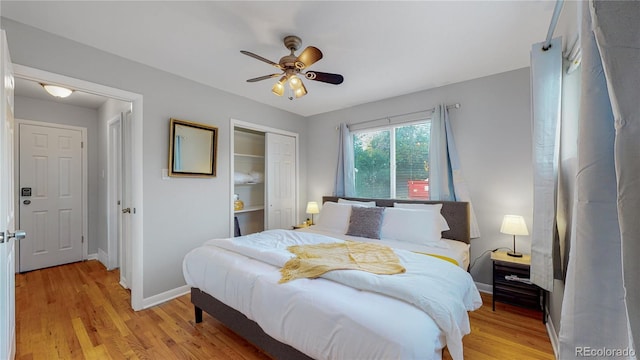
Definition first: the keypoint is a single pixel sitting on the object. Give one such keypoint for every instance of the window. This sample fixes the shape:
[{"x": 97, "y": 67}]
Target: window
[{"x": 392, "y": 162}]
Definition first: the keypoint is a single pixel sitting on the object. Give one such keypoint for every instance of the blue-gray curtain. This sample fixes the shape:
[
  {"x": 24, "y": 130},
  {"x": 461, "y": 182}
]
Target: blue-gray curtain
[
  {"x": 345, "y": 182},
  {"x": 446, "y": 181},
  {"x": 600, "y": 309},
  {"x": 546, "y": 95}
]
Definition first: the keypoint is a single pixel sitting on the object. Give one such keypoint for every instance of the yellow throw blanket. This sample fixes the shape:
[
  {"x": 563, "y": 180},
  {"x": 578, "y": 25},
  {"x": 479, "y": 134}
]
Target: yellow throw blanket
[
  {"x": 442, "y": 257},
  {"x": 312, "y": 261}
]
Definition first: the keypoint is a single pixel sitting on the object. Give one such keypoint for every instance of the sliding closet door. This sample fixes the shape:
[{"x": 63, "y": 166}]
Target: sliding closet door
[{"x": 281, "y": 181}]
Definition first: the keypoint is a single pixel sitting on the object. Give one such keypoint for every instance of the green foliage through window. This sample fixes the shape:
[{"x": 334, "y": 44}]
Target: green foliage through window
[{"x": 387, "y": 159}]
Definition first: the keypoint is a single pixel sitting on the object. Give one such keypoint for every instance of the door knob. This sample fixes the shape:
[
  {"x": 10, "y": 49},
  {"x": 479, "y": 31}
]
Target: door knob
[{"x": 19, "y": 234}]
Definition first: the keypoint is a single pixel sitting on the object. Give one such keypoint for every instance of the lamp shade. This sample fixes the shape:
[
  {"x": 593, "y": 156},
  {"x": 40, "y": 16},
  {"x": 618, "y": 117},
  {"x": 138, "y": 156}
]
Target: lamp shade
[
  {"x": 294, "y": 82},
  {"x": 514, "y": 225},
  {"x": 312, "y": 208},
  {"x": 278, "y": 89},
  {"x": 300, "y": 91}
]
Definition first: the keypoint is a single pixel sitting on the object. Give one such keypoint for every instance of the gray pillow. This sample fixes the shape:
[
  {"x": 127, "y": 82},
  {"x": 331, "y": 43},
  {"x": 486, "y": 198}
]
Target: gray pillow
[{"x": 365, "y": 222}]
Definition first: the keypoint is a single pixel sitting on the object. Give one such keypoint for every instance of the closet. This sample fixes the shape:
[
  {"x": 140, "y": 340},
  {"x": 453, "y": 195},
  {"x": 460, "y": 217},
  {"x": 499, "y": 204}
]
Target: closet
[{"x": 264, "y": 179}]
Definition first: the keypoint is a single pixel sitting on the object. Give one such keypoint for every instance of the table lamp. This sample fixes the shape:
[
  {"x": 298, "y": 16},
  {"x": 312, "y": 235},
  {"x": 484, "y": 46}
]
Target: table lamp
[
  {"x": 514, "y": 225},
  {"x": 312, "y": 208}
]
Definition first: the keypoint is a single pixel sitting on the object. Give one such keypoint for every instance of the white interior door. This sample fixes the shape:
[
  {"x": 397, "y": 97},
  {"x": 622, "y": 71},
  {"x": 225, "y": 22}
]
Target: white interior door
[
  {"x": 50, "y": 195},
  {"x": 115, "y": 193},
  {"x": 281, "y": 181},
  {"x": 126, "y": 260},
  {"x": 7, "y": 222}
]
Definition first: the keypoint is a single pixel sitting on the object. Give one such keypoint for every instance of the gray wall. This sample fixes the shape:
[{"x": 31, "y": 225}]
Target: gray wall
[
  {"x": 52, "y": 112},
  {"x": 492, "y": 130},
  {"x": 180, "y": 213}
]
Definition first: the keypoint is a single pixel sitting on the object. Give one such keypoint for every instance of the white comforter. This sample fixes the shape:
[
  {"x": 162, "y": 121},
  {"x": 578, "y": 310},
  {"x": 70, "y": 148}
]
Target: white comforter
[{"x": 438, "y": 288}]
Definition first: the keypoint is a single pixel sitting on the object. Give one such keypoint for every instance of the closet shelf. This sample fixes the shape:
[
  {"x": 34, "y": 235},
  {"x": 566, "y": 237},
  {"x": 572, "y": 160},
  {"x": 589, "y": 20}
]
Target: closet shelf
[
  {"x": 250, "y": 209},
  {"x": 249, "y": 156},
  {"x": 248, "y": 183}
]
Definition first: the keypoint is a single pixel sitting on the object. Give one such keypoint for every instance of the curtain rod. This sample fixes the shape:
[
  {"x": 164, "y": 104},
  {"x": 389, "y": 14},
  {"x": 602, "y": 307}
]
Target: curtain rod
[
  {"x": 452, "y": 106},
  {"x": 552, "y": 25}
]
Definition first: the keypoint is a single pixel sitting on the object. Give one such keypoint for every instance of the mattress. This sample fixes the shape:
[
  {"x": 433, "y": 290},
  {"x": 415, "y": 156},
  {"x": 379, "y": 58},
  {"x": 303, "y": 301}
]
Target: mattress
[{"x": 321, "y": 318}]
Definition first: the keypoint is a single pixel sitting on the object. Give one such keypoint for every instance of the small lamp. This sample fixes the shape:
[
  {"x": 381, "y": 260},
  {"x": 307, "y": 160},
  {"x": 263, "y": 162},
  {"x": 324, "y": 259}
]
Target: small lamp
[
  {"x": 514, "y": 225},
  {"x": 312, "y": 208}
]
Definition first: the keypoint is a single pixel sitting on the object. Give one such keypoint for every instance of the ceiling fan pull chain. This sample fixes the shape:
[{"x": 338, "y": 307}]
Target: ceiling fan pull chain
[{"x": 290, "y": 93}]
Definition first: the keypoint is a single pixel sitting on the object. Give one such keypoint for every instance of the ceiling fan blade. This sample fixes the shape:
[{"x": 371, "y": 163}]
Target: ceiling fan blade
[
  {"x": 335, "y": 79},
  {"x": 258, "y": 57},
  {"x": 309, "y": 56},
  {"x": 263, "y": 77}
]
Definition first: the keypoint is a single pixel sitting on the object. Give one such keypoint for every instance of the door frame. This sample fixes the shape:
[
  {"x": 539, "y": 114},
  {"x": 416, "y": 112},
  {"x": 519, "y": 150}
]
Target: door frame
[
  {"x": 84, "y": 171},
  {"x": 265, "y": 129},
  {"x": 137, "y": 225}
]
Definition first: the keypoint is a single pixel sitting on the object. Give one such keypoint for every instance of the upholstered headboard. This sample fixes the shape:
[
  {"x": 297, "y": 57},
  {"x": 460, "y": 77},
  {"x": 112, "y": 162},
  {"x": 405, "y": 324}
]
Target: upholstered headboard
[{"x": 457, "y": 214}]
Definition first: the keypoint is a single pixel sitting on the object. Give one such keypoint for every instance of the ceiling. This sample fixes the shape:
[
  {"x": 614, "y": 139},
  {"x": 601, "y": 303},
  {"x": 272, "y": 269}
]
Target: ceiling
[{"x": 382, "y": 48}]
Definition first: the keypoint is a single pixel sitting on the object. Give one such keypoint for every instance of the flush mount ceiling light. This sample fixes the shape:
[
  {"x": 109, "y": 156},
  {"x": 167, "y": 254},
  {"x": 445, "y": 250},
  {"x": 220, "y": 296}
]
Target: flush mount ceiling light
[
  {"x": 57, "y": 91},
  {"x": 292, "y": 65}
]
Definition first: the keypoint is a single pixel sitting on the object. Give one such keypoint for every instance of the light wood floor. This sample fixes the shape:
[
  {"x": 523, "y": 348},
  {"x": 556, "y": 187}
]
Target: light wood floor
[{"x": 79, "y": 311}]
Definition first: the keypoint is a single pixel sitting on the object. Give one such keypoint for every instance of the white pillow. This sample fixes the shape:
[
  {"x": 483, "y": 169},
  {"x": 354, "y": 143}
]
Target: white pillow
[
  {"x": 334, "y": 217},
  {"x": 444, "y": 225},
  {"x": 359, "y": 203},
  {"x": 412, "y": 225}
]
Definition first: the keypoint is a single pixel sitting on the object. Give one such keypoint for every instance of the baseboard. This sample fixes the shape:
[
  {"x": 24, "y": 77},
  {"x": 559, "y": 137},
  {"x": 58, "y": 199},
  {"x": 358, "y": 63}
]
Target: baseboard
[
  {"x": 93, "y": 256},
  {"x": 485, "y": 288},
  {"x": 165, "y": 296},
  {"x": 103, "y": 257},
  {"x": 553, "y": 336}
]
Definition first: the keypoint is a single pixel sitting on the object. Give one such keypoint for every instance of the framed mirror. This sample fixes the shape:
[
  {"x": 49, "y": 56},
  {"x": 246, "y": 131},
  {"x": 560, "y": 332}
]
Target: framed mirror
[{"x": 192, "y": 149}]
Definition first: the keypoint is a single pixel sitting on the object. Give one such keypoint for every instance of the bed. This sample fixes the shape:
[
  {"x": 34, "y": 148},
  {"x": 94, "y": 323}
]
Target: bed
[{"x": 344, "y": 314}]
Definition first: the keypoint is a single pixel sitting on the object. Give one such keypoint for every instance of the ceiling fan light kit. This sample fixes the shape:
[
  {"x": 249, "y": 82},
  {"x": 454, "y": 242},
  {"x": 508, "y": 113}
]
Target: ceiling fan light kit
[
  {"x": 292, "y": 65},
  {"x": 278, "y": 88}
]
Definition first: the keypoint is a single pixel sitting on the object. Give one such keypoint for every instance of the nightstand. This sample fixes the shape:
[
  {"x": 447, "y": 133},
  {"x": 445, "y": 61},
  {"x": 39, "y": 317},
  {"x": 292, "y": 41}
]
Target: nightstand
[
  {"x": 511, "y": 283},
  {"x": 300, "y": 226}
]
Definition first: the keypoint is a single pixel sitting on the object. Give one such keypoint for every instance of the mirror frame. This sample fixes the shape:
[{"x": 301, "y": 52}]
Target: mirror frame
[{"x": 210, "y": 152}]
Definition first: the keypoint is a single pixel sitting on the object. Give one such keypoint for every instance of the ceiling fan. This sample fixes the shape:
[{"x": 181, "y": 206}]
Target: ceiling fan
[{"x": 292, "y": 66}]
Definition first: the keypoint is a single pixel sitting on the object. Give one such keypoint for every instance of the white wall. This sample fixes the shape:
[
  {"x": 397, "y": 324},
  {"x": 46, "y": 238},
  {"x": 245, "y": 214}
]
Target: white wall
[
  {"x": 52, "y": 112},
  {"x": 180, "y": 213},
  {"x": 492, "y": 130}
]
